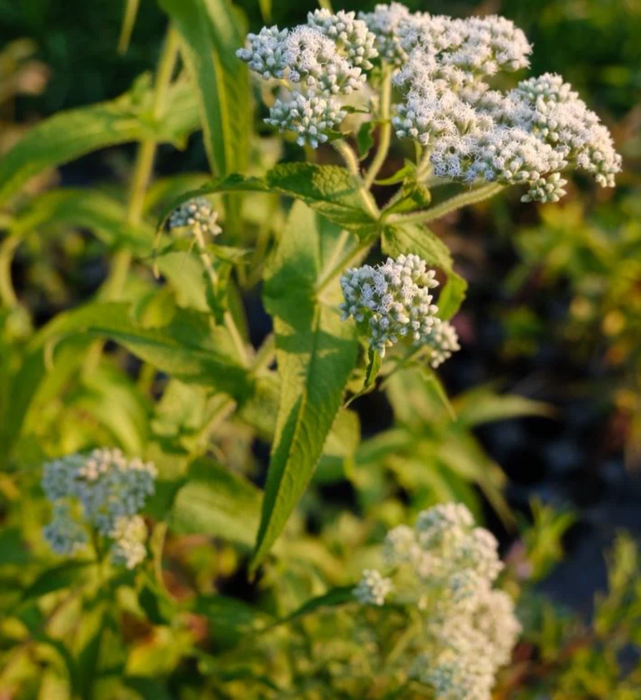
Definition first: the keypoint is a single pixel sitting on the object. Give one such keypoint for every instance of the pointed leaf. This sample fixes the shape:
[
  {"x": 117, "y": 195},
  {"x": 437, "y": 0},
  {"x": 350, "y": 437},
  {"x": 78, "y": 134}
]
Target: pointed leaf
[
  {"x": 83, "y": 208},
  {"x": 333, "y": 598},
  {"x": 328, "y": 189},
  {"x": 315, "y": 353},
  {"x": 69, "y": 135},
  {"x": 210, "y": 34}
]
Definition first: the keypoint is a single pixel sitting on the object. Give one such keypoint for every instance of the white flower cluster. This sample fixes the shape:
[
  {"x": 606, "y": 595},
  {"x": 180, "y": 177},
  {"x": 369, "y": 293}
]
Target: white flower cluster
[
  {"x": 319, "y": 60},
  {"x": 311, "y": 116},
  {"x": 109, "y": 490},
  {"x": 197, "y": 213},
  {"x": 129, "y": 535},
  {"x": 373, "y": 588},
  {"x": 384, "y": 23},
  {"x": 472, "y": 133},
  {"x": 443, "y": 341},
  {"x": 446, "y": 567},
  {"x": 392, "y": 301}
]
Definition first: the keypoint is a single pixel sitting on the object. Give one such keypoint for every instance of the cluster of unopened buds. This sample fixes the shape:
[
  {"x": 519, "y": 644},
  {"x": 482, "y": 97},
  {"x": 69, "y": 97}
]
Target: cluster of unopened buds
[
  {"x": 392, "y": 303},
  {"x": 445, "y": 71},
  {"x": 103, "y": 491},
  {"x": 446, "y": 568},
  {"x": 198, "y": 215}
]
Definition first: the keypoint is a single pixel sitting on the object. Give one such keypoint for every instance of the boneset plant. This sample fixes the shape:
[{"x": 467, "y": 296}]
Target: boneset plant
[
  {"x": 347, "y": 320},
  {"x": 446, "y": 567}
]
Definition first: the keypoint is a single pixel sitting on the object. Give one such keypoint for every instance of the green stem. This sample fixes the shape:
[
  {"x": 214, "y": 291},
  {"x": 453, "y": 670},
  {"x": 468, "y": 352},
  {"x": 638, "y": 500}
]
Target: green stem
[
  {"x": 351, "y": 161},
  {"x": 228, "y": 319},
  {"x": 424, "y": 167},
  {"x": 144, "y": 165},
  {"x": 265, "y": 354},
  {"x": 7, "y": 292},
  {"x": 386, "y": 128},
  {"x": 462, "y": 200},
  {"x": 113, "y": 287},
  {"x": 350, "y": 256}
]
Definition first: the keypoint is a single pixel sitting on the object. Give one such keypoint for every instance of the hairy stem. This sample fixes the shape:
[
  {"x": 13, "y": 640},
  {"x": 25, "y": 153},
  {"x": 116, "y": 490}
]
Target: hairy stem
[
  {"x": 462, "y": 200},
  {"x": 351, "y": 161},
  {"x": 424, "y": 166},
  {"x": 386, "y": 128}
]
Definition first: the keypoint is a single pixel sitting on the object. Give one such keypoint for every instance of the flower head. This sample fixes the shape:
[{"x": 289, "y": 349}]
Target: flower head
[
  {"x": 443, "y": 341},
  {"x": 373, "y": 588},
  {"x": 392, "y": 301},
  {"x": 320, "y": 61},
  {"x": 129, "y": 535},
  {"x": 196, "y": 213},
  {"x": 384, "y": 23},
  {"x": 351, "y": 35},
  {"x": 312, "y": 117},
  {"x": 64, "y": 533},
  {"x": 526, "y": 136},
  {"x": 446, "y": 567},
  {"x": 109, "y": 490}
]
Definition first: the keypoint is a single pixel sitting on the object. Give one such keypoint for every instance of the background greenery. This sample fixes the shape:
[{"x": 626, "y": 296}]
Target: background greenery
[{"x": 553, "y": 313}]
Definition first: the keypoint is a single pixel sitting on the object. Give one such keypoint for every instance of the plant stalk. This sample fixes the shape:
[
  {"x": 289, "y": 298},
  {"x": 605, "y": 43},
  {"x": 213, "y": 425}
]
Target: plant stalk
[
  {"x": 347, "y": 259},
  {"x": 462, "y": 200},
  {"x": 386, "y": 128},
  {"x": 351, "y": 161},
  {"x": 144, "y": 165}
]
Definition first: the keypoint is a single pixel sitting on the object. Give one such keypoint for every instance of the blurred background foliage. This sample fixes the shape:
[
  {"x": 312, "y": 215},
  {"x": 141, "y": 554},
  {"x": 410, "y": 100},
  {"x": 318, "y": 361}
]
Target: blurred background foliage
[{"x": 553, "y": 314}]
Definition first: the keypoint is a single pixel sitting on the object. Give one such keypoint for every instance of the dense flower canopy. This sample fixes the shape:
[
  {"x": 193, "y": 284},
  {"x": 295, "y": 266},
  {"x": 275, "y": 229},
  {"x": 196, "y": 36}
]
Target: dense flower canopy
[
  {"x": 446, "y": 567},
  {"x": 445, "y": 71}
]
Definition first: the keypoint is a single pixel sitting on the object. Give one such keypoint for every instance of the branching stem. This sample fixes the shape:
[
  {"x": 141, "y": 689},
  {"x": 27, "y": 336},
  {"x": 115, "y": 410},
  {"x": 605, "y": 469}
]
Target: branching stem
[
  {"x": 351, "y": 161},
  {"x": 462, "y": 200}
]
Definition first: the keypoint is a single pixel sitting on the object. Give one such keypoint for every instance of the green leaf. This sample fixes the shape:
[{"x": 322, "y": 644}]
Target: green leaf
[
  {"x": 189, "y": 348},
  {"x": 13, "y": 549},
  {"x": 328, "y": 189},
  {"x": 364, "y": 139},
  {"x": 69, "y": 135},
  {"x": 484, "y": 405},
  {"x": 184, "y": 273},
  {"x": 333, "y": 598},
  {"x": 412, "y": 238},
  {"x": 371, "y": 372},
  {"x": 83, "y": 208},
  {"x": 215, "y": 501},
  {"x": 411, "y": 196},
  {"x": 461, "y": 453},
  {"x": 339, "y": 449},
  {"x": 63, "y": 576},
  {"x": 406, "y": 172},
  {"x": 115, "y": 402},
  {"x": 315, "y": 353},
  {"x": 89, "y": 640},
  {"x": 265, "y": 9},
  {"x": 231, "y": 620},
  {"x": 128, "y": 22},
  {"x": 210, "y": 35}
]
